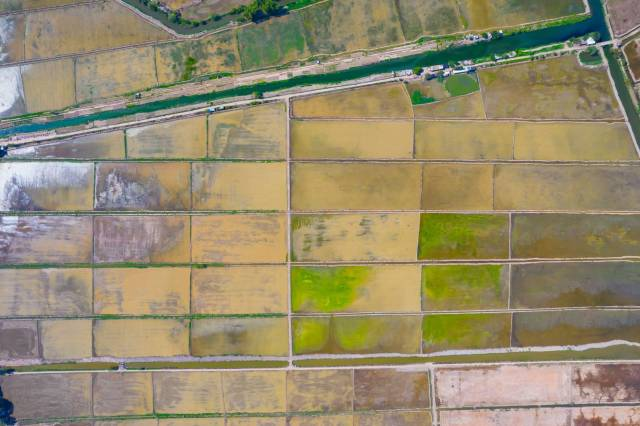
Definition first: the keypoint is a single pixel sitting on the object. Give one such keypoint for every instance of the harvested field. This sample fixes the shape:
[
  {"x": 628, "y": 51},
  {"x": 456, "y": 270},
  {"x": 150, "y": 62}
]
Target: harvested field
[
  {"x": 107, "y": 146},
  {"x": 148, "y": 291},
  {"x": 205, "y": 8},
  {"x": 573, "y": 188},
  {"x": 574, "y": 327},
  {"x": 239, "y": 238},
  {"x": 575, "y": 236},
  {"x": 632, "y": 53},
  {"x": 457, "y": 187},
  {"x": 334, "y": 420},
  {"x": 254, "y": 133},
  {"x": 624, "y": 15},
  {"x": 345, "y": 186},
  {"x": 463, "y": 236},
  {"x": 486, "y": 14},
  {"x": 356, "y": 335},
  {"x": 465, "y": 331},
  {"x": 143, "y": 186},
  {"x": 320, "y": 391},
  {"x": 66, "y": 339},
  {"x": 573, "y": 141},
  {"x": 108, "y": 74},
  {"x": 256, "y": 421},
  {"x": 274, "y": 42},
  {"x": 351, "y": 139},
  {"x": 45, "y": 239},
  {"x": 49, "y": 85},
  {"x": 560, "y": 285},
  {"x": 471, "y": 140},
  {"x": 435, "y": 17},
  {"x": 469, "y": 106},
  {"x": 188, "y": 393},
  {"x": 16, "y": 5},
  {"x": 184, "y": 60},
  {"x": 460, "y": 287},
  {"x": 12, "y": 100},
  {"x": 354, "y": 237},
  {"x": 121, "y": 394},
  {"x": 49, "y": 395},
  {"x": 186, "y": 138},
  {"x": 12, "y": 40},
  {"x": 552, "y": 89},
  {"x": 46, "y": 186},
  {"x": 85, "y": 28},
  {"x": 377, "y": 101},
  {"x": 254, "y": 392},
  {"x": 45, "y": 292},
  {"x": 19, "y": 340},
  {"x": 393, "y": 417},
  {"x": 126, "y": 338},
  {"x": 390, "y": 390},
  {"x": 239, "y": 186},
  {"x": 141, "y": 239},
  {"x": 240, "y": 336},
  {"x": 239, "y": 290},
  {"x": 356, "y": 289}
]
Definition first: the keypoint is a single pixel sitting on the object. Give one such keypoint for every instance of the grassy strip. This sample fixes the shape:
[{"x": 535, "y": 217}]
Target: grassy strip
[
  {"x": 299, "y": 4},
  {"x": 67, "y": 366},
  {"x": 619, "y": 352},
  {"x": 194, "y": 365}
]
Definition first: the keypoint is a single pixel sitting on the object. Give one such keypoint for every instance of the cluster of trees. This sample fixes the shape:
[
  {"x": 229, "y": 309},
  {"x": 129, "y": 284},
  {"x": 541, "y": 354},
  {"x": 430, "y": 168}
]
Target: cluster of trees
[
  {"x": 6, "y": 411},
  {"x": 258, "y": 10}
]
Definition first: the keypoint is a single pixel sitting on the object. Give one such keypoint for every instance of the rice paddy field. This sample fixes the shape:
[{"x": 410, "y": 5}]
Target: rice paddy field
[{"x": 352, "y": 229}]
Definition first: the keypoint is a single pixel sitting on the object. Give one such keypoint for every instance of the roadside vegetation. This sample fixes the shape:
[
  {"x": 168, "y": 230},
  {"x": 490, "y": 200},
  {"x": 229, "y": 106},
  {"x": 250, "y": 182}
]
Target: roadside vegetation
[{"x": 590, "y": 57}]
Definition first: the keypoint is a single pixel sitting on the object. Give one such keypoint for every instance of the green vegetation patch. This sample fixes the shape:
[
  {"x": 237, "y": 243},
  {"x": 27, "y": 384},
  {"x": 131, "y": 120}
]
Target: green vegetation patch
[
  {"x": 463, "y": 236},
  {"x": 311, "y": 334},
  {"x": 461, "y": 84},
  {"x": 465, "y": 331},
  {"x": 322, "y": 289},
  {"x": 417, "y": 98},
  {"x": 590, "y": 57},
  {"x": 452, "y": 287}
]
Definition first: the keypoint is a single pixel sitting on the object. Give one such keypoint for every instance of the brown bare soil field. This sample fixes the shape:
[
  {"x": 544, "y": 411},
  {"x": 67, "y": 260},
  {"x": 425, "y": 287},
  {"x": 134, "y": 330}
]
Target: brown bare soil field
[
  {"x": 19, "y": 340},
  {"x": 632, "y": 52},
  {"x": 85, "y": 28},
  {"x": 457, "y": 187},
  {"x": 121, "y": 394},
  {"x": 15, "y": 5},
  {"x": 188, "y": 393},
  {"x": 624, "y": 15},
  {"x": 186, "y": 138}
]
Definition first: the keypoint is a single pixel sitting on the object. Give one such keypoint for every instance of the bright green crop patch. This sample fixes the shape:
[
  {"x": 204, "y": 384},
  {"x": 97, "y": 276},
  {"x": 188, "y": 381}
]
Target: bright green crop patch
[
  {"x": 326, "y": 289},
  {"x": 461, "y": 84},
  {"x": 310, "y": 335},
  {"x": 463, "y": 236},
  {"x": 465, "y": 331},
  {"x": 451, "y": 287}
]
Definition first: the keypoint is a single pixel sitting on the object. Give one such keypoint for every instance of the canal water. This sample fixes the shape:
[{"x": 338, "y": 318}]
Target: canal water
[{"x": 524, "y": 40}]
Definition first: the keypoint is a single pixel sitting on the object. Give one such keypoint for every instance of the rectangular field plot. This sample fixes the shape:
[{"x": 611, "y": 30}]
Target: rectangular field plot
[
  {"x": 575, "y": 236},
  {"x": 351, "y": 139},
  {"x": 356, "y": 289},
  {"x": 45, "y": 239},
  {"x": 377, "y": 101},
  {"x": 19, "y": 340},
  {"x": 332, "y": 420},
  {"x": 126, "y": 338},
  {"x": 107, "y": 146},
  {"x": 355, "y": 186},
  {"x": 558, "y": 285},
  {"x": 240, "y": 238},
  {"x": 240, "y": 336},
  {"x": 555, "y": 88},
  {"x": 465, "y": 331},
  {"x": 393, "y": 417},
  {"x": 419, "y": 17},
  {"x": 356, "y": 335},
  {"x": 45, "y": 292},
  {"x": 320, "y": 391},
  {"x": 573, "y": 141},
  {"x": 239, "y": 186},
  {"x": 575, "y": 327},
  {"x": 239, "y": 290},
  {"x": 39, "y": 395},
  {"x": 186, "y": 138},
  {"x": 46, "y": 186},
  {"x": 107, "y": 74},
  {"x": 463, "y": 236},
  {"x": 254, "y": 392},
  {"x": 148, "y": 291},
  {"x": 354, "y": 237},
  {"x": 464, "y": 287},
  {"x": 457, "y": 187},
  {"x": 142, "y": 239},
  {"x": 467, "y": 106},
  {"x": 66, "y": 339},
  {"x": 142, "y": 186},
  {"x": 567, "y": 187},
  {"x": 467, "y": 140},
  {"x": 49, "y": 85},
  {"x": 121, "y": 394},
  {"x": 188, "y": 392},
  {"x": 254, "y": 133},
  {"x": 12, "y": 43},
  {"x": 388, "y": 389}
]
